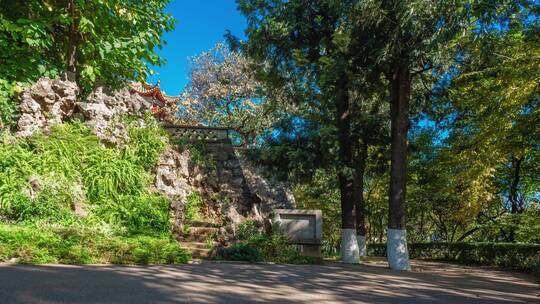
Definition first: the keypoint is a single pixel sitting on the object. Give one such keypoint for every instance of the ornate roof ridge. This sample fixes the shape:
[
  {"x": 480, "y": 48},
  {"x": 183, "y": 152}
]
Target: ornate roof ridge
[{"x": 154, "y": 91}]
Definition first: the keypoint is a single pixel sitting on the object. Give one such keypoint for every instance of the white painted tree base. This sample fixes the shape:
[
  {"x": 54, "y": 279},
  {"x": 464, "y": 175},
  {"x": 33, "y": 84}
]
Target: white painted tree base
[
  {"x": 397, "y": 252},
  {"x": 362, "y": 248},
  {"x": 349, "y": 247}
]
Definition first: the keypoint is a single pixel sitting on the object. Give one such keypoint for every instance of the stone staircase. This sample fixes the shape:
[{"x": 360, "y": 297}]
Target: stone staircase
[{"x": 200, "y": 238}]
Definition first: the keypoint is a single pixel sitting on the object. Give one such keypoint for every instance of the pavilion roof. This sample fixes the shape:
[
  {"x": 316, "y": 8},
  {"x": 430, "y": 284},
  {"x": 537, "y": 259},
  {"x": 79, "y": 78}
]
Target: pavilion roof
[{"x": 154, "y": 91}]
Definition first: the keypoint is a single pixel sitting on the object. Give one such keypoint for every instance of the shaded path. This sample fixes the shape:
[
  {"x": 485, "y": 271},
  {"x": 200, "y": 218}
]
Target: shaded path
[{"x": 259, "y": 283}]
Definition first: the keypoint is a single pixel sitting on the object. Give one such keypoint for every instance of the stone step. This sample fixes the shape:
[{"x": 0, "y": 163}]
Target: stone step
[
  {"x": 198, "y": 249},
  {"x": 195, "y": 245},
  {"x": 200, "y": 234},
  {"x": 199, "y": 253},
  {"x": 203, "y": 224}
]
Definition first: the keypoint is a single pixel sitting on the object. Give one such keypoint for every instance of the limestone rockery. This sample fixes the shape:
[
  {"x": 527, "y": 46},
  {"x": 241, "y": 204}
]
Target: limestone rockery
[{"x": 232, "y": 188}]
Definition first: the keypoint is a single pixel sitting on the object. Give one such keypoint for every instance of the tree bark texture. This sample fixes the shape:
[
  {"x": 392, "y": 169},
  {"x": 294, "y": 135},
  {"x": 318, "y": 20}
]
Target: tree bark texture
[
  {"x": 73, "y": 41},
  {"x": 514, "y": 186},
  {"x": 345, "y": 178},
  {"x": 400, "y": 90},
  {"x": 358, "y": 194}
]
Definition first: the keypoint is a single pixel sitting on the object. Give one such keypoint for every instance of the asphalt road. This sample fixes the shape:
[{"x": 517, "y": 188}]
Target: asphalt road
[{"x": 262, "y": 283}]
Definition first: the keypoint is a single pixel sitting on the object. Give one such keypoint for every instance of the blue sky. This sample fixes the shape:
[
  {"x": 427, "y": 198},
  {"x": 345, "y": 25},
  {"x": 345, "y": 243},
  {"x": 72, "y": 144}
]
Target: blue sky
[{"x": 200, "y": 25}]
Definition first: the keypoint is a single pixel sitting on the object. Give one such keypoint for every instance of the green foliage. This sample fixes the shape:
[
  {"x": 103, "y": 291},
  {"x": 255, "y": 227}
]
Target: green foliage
[
  {"x": 473, "y": 140},
  {"x": 525, "y": 227},
  {"x": 44, "y": 178},
  {"x": 109, "y": 175},
  {"x": 490, "y": 110},
  {"x": 111, "y": 183},
  {"x": 257, "y": 247},
  {"x": 111, "y": 41},
  {"x": 38, "y": 175},
  {"x": 146, "y": 143},
  {"x": 276, "y": 248},
  {"x": 464, "y": 180},
  {"x": 240, "y": 252},
  {"x": 8, "y": 103},
  {"x": 81, "y": 245},
  {"x": 507, "y": 255},
  {"x": 192, "y": 207},
  {"x": 247, "y": 230},
  {"x": 137, "y": 214},
  {"x": 49, "y": 204},
  {"x": 199, "y": 155},
  {"x": 23, "y": 43},
  {"x": 322, "y": 193},
  {"x": 475, "y": 176}
]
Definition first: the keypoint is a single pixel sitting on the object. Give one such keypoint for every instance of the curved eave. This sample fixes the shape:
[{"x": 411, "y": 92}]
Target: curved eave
[{"x": 147, "y": 90}]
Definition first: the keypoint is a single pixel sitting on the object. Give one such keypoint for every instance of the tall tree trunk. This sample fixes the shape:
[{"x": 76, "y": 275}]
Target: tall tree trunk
[
  {"x": 358, "y": 196},
  {"x": 514, "y": 185},
  {"x": 349, "y": 244},
  {"x": 422, "y": 237},
  {"x": 73, "y": 41},
  {"x": 514, "y": 196},
  {"x": 381, "y": 229},
  {"x": 400, "y": 90}
]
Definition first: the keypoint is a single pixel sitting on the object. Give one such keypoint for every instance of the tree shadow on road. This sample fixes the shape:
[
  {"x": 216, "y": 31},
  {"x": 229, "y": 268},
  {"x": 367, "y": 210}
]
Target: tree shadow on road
[{"x": 257, "y": 283}]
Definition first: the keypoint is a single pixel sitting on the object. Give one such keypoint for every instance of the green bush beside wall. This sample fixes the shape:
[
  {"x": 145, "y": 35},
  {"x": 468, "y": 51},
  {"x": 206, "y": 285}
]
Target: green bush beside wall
[{"x": 254, "y": 246}]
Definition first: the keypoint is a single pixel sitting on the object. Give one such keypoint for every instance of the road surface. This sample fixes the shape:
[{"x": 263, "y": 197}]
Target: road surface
[{"x": 210, "y": 282}]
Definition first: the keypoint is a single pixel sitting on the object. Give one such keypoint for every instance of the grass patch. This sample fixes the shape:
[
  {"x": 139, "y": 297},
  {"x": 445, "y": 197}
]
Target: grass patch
[
  {"x": 35, "y": 244},
  {"x": 194, "y": 202},
  {"x": 44, "y": 178}
]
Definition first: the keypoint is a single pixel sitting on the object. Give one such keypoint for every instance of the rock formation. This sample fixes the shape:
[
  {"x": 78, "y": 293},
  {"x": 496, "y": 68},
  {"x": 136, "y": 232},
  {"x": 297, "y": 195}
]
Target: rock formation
[
  {"x": 172, "y": 181},
  {"x": 232, "y": 189},
  {"x": 101, "y": 111},
  {"x": 46, "y": 103}
]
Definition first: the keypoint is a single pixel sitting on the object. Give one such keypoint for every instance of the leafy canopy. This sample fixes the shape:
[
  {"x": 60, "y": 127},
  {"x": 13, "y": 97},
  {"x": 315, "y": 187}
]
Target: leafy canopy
[{"x": 113, "y": 41}]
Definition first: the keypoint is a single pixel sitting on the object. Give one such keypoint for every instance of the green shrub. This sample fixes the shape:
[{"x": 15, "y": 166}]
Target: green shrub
[
  {"x": 247, "y": 230},
  {"x": 15, "y": 169},
  {"x": 258, "y": 247},
  {"x": 70, "y": 156},
  {"x": 146, "y": 250},
  {"x": 145, "y": 143},
  {"x": 8, "y": 103},
  {"x": 192, "y": 210},
  {"x": 240, "y": 252},
  {"x": 508, "y": 255},
  {"x": 21, "y": 165},
  {"x": 65, "y": 150},
  {"x": 49, "y": 204},
  {"x": 143, "y": 214},
  {"x": 198, "y": 154},
  {"x": 80, "y": 245},
  {"x": 109, "y": 175}
]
